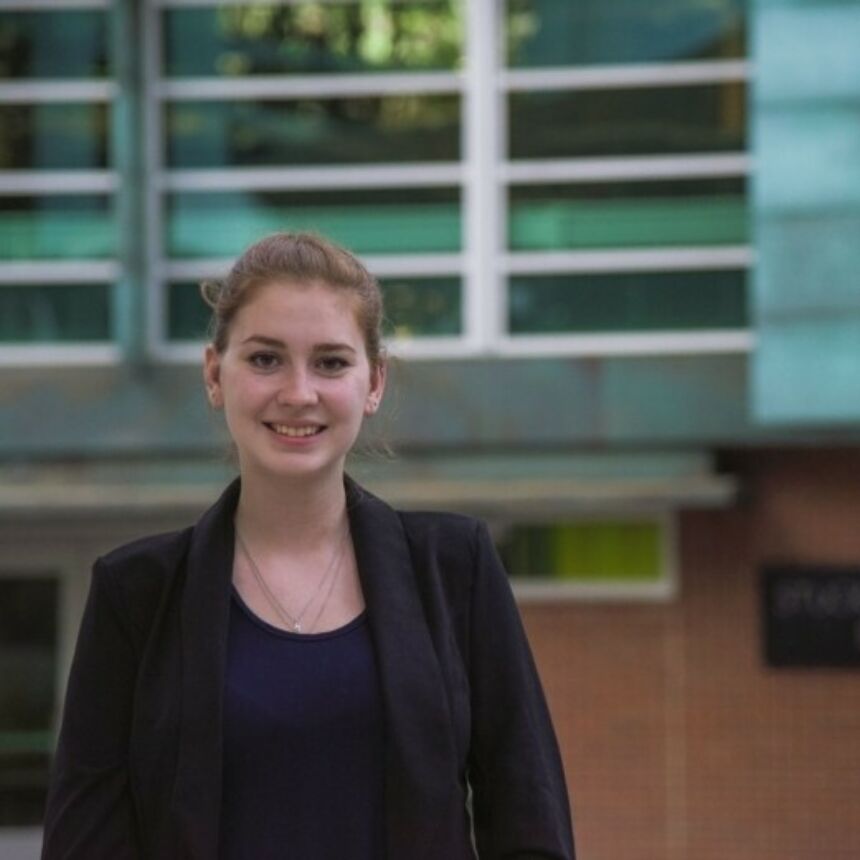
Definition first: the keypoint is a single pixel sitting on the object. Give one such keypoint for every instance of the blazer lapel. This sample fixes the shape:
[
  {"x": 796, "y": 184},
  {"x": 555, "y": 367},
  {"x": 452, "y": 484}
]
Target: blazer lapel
[
  {"x": 205, "y": 619},
  {"x": 421, "y": 768}
]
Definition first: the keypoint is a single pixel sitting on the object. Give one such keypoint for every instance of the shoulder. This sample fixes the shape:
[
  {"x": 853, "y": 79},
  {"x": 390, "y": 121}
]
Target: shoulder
[
  {"x": 149, "y": 556},
  {"x": 456, "y": 539},
  {"x": 453, "y": 549},
  {"x": 134, "y": 576},
  {"x": 441, "y": 527}
]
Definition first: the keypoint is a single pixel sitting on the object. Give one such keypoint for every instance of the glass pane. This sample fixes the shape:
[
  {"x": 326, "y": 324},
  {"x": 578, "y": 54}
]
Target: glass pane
[
  {"x": 187, "y": 314},
  {"x": 73, "y": 226},
  {"x": 631, "y": 121},
  {"x": 627, "y": 302},
  {"x": 609, "y": 552},
  {"x": 53, "y": 44},
  {"x": 55, "y": 313},
  {"x": 314, "y": 131},
  {"x": 402, "y": 220},
  {"x": 628, "y": 214},
  {"x": 413, "y": 307},
  {"x": 561, "y": 33},
  {"x": 53, "y": 136},
  {"x": 312, "y": 38},
  {"x": 28, "y": 667},
  {"x": 416, "y": 307}
]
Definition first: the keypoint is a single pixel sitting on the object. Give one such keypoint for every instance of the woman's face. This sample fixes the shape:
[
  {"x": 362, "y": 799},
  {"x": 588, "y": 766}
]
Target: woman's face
[{"x": 295, "y": 381}]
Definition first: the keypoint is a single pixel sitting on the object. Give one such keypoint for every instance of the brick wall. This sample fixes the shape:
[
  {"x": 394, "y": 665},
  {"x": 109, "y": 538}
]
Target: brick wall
[{"x": 679, "y": 742}]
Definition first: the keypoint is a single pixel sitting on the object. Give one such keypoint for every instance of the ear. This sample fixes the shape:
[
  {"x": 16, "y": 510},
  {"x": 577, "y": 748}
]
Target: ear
[
  {"x": 377, "y": 388},
  {"x": 212, "y": 377}
]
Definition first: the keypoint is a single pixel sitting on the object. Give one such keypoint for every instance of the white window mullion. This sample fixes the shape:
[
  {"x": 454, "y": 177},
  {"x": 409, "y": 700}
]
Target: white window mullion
[
  {"x": 39, "y": 272},
  {"x": 381, "y": 266},
  {"x": 54, "y": 182},
  {"x": 625, "y": 76},
  {"x": 483, "y": 148},
  {"x": 628, "y": 260},
  {"x": 334, "y": 177},
  {"x": 58, "y": 355},
  {"x": 152, "y": 155},
  {"x": 702, "y": 342},
  {"x": 318, "y": 86},
  {"x": 57, "y": 91},
  {"x": 634, "y": 167},
  {"x": 52, "y": 5}
]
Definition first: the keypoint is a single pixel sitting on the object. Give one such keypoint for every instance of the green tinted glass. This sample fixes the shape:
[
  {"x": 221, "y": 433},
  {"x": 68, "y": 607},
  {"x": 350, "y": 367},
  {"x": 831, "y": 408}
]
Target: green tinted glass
[
  {"x": 28, "y": 667},
  {"x": 416, "y": 307},
  {"x": 627, "y": 302},
  {"x": 413, "y": 307},
  {"x": 73, "y": 226},
  {"x": 314, "y": 131},
  {"x": 305, "y": 38},
  {"x": 561, "y": 32},
  {"x": 627, "y": 121},
  {"x": 187, "y": 314},
  {"x": 609, "y": 551},
  {"x": 627, "y": 214},
  {"x": 402, "y": 220},
  {"x": 55, "y": 313},
  {"x": 53, "y": 136},
  {"x": 53, "y": 44}
]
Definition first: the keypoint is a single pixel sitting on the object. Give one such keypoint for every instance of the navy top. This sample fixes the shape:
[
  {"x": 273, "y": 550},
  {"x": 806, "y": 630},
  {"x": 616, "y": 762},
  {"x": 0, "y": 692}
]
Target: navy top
[{"x": 303, "y": 743}]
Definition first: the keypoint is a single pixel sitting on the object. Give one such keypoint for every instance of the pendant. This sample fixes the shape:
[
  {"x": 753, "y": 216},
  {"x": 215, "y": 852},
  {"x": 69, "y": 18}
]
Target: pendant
[{"x": 297, "y": 628}]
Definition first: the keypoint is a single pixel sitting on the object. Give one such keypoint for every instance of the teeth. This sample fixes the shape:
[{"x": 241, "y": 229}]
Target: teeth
[{"x": 286, "y": 430}]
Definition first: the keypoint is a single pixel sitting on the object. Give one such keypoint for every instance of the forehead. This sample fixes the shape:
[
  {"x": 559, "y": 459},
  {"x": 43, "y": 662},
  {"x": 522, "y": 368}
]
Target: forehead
[{"x": 302, "y": 308}]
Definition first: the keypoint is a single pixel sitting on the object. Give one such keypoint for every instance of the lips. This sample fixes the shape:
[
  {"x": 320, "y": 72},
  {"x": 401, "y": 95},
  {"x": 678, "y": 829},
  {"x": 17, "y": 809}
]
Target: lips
[{"x": 292, "y": 431}]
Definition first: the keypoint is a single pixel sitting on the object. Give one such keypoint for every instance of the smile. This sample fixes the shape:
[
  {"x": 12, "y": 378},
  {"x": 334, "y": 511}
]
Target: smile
[{"x": 296, "y": 432}]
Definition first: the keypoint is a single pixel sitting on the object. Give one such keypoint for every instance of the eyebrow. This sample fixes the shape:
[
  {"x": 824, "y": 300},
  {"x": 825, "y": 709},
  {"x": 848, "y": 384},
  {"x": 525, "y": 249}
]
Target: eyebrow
[{"x": 279, "y": 344}]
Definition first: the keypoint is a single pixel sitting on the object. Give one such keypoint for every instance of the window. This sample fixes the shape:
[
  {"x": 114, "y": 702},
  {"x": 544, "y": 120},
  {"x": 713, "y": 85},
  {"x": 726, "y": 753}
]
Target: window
[
  {"x": 28, "y": 655},
  {"x": 526, "y": 177},
  {"x": 343, "y": 118},
  {"x": 600, "y": 557},
  {"x": 58, "y": 236},
  {"x": 624, "y": 177}
]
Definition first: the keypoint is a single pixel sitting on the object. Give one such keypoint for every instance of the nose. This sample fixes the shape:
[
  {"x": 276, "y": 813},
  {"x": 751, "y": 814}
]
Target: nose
[{"x": 297, "y": 388}]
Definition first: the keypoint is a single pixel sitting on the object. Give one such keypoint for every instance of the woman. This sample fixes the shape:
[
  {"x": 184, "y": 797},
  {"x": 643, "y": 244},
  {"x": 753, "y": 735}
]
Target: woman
[{"x": 305, "y": 673}]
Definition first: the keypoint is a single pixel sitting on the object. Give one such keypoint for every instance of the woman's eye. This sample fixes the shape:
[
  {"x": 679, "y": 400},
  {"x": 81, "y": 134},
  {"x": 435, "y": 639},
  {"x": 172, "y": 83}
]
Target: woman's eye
[
  {"x": 332, "y": 363},
  {"x": 263, "y": 360}
]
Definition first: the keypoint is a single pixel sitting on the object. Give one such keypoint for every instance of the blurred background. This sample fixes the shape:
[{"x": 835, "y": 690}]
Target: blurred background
[{"x": 620, "y": 244}]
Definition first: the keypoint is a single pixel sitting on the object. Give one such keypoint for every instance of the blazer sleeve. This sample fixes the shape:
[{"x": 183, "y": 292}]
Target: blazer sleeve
[
  {"x": 520, "y": 804},
  {"x": 89, "y": 812}
]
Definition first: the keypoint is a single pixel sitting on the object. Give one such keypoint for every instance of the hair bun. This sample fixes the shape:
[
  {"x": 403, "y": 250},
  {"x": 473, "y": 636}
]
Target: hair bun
[{"x": 211, "y": 291}]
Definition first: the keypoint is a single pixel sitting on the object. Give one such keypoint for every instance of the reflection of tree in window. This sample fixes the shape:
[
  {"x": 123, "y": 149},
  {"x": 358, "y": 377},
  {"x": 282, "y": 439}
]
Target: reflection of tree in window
[{"x": 368, "y": 35}]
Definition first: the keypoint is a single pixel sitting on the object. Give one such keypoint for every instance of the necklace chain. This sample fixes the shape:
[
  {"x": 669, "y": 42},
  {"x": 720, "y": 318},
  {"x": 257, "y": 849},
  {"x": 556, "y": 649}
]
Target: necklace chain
[{"x": 294, "y": 622}]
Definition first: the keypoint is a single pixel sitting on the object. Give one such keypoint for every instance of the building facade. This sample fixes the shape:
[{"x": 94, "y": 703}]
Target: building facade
[{"x": 618, "y": 245}]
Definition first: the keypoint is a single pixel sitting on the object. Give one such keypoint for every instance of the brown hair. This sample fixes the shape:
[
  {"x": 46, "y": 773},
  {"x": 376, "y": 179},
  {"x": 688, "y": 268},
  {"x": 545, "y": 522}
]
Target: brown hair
[{"x": 300, "y": 257}]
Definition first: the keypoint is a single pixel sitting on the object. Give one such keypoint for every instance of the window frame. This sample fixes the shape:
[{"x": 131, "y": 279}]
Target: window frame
[
  {"x": 544, "y": 589},
  {"x": 44, "y": 183},
  {"x": 484, "y": 175}
]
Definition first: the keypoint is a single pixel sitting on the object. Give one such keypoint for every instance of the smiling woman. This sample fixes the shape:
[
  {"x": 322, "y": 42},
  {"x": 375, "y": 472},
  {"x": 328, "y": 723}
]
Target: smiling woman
[
  {"x": 306, "y": 666},
  {"x": 294, "y": 377}
]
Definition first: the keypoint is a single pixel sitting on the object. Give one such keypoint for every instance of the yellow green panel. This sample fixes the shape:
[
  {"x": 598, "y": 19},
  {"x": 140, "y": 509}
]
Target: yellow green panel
[{"x": 595, "y": 551}]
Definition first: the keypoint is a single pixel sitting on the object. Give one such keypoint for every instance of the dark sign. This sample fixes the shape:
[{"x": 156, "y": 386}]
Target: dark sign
[{"x": 812, "y": 616}]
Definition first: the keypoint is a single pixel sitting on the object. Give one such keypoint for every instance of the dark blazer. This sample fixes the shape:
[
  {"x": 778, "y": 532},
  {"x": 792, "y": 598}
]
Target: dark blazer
[{"x": 137, "y": 773}]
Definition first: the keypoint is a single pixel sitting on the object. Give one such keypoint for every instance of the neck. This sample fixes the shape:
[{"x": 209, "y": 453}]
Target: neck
[{"x": 290, "y": 514}]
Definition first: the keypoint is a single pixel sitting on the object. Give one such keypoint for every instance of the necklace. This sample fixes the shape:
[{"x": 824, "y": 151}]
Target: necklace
[{"x": 294, "y": 622}]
